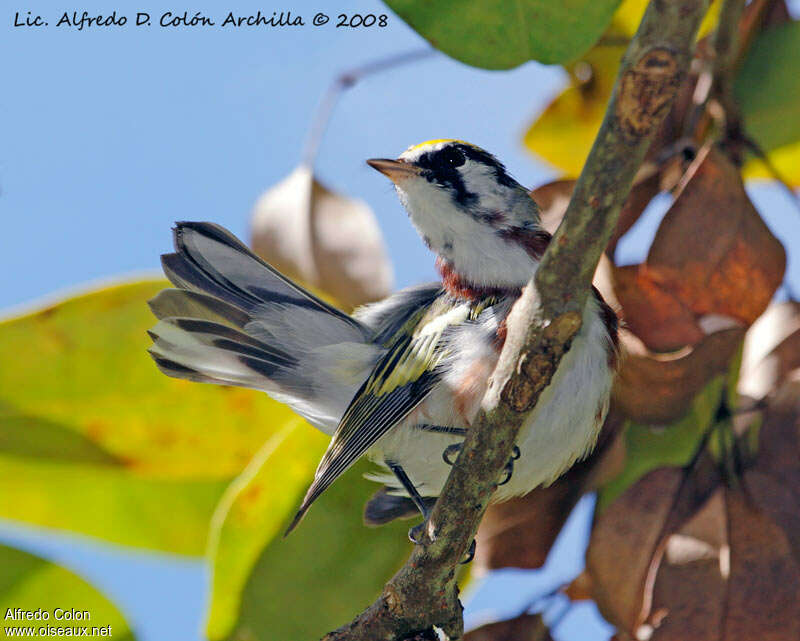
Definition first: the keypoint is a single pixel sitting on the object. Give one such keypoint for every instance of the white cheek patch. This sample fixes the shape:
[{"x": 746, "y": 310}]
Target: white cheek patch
[{"x": 476, "y": 251}]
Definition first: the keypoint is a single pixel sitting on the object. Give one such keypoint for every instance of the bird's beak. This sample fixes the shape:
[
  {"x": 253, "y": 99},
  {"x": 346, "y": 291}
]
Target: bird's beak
[{"x": 394, "y": 170}]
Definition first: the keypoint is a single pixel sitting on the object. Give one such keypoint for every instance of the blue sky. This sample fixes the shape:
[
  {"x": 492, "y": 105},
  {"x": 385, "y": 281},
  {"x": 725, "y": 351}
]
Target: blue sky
[{"x": 107, "y": 136}]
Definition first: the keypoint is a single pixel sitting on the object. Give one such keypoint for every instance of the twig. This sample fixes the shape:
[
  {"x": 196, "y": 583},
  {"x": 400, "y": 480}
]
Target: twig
[
  {"x": 715, "y": 79},
  {"x": 725, "y": 48},
  {"x": 342, "y": 83},
  {"x": 423, "y": 593}
]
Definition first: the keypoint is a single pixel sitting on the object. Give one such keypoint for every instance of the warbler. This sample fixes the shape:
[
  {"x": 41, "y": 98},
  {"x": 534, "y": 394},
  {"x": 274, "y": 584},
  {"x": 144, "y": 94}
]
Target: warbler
[{"x": 400, "y": 380}]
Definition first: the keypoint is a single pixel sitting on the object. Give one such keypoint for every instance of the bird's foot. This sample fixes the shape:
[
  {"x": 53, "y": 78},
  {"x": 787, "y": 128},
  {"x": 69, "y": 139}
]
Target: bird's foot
[
  {"x": 416, "y": 533},
  {"x": 509, "y": 468},
  {"x": 470, "y": 553},
  {"x": 449, "y": 456},
  {"x": 451, "y": 452}
]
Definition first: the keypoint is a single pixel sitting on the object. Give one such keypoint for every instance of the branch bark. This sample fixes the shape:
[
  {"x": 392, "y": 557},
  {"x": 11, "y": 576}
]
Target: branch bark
[{"x": 541, "y": 326}]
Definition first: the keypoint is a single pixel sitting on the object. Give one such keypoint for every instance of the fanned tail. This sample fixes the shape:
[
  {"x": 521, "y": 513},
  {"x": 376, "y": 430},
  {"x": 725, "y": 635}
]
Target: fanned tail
[{"x": 234, "y": 320}]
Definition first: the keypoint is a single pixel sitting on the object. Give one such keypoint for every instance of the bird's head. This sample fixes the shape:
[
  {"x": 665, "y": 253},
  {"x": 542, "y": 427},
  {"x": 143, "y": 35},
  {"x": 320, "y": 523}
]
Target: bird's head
[{"x": 482, "y": 224}]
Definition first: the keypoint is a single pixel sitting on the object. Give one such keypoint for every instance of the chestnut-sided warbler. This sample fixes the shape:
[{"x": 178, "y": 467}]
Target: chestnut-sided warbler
[{"x": 402, "y": 379}]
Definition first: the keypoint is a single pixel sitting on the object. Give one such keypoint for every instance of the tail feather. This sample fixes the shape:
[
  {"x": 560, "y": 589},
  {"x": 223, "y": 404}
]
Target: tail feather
[
  {"x": 221, "y": 359},
  {"x": 178, "y": 303},
  {"x": 176, "y": 370},
  {"x": 234, "y": 320},
  {"x": 248, "y": 281},
  {"x": 197, "y": 333}
]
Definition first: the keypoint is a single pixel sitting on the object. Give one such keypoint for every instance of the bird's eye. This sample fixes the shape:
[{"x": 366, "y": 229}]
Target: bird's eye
[{"x": 451, "y": 157}]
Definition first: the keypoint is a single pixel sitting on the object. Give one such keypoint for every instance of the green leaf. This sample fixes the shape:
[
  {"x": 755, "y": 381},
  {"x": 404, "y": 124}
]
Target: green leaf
[
  {"x": 253, "y": 512},
  {"x": 768, "y": 87},
  {"x": 325, "y": 572},
  {"x": 501, "y": 34},
  {"x": 94, "y": 439},
  {"x": 649, "y": 447},
  {"x": 29, "y": 583}
]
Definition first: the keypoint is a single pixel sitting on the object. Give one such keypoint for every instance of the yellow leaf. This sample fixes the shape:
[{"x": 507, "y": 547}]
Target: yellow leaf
[
  {"x": 94, "y": 439},
  {"x": 78, "y": 371},
  {"x": 109, "y": 503},
  {"x": 563, "y": 134},
  {"x": 252, "y": 513},
  {"x": 786, "y": 160},
  {"x": 629, "y": 14}
]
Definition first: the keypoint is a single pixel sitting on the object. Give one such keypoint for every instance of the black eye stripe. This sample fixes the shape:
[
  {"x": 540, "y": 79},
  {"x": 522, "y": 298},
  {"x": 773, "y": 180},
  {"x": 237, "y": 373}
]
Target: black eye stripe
[
  {"x": 441, "y": 168},
  {"x": 443, "y": 160},
  {"x": 451, "y": 157}
]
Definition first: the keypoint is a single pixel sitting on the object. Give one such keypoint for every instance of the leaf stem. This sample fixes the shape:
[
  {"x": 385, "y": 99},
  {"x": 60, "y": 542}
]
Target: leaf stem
[{"x": 344, "y": 81}]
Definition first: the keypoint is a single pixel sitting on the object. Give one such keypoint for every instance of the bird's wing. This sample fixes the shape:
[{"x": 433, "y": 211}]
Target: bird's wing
[{"x": 399, "y": 382}]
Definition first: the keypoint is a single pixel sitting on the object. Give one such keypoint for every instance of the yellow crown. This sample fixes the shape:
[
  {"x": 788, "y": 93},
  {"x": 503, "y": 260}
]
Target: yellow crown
[{"x": 436, "y": 141}]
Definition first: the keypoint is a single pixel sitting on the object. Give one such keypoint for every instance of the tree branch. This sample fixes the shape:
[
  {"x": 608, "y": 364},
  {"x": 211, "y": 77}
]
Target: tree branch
[{"x": 423, "y": 593}]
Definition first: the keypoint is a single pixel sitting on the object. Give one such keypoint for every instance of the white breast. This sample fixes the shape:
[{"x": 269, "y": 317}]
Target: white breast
[{"x": 563, "y": 427}]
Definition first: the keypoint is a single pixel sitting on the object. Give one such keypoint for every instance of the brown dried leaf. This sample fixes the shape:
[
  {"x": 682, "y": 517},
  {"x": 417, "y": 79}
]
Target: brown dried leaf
[
  {"x": 658, "y": 388},
  {"x": 656, "y": 316},
  {"x": 581, "y": 588},
  {"x": 520, "y": 532},
  {"x": 553, "y": 198},
  {"x": 774, "y": 481},
  {"x": 779, "y": 436},
  {"x": 629, "y": 537},
  {"x": 689, "y": 591},
  {"x": 643, "y": 191},
  {"x": 727, "y": 574},
  {"x": 712, "y": 249},
  {"x": 763, "y": 600},
  {"x": 528, "y": 627},
  {"x": 326, "y": 240},
  {"x": 780, "y": 502},
  {"x": 625, "y": 544}
]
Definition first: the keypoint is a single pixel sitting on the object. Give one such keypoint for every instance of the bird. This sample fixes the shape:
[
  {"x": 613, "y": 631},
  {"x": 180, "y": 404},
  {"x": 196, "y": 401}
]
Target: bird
[{"x": 401, "y": 380}]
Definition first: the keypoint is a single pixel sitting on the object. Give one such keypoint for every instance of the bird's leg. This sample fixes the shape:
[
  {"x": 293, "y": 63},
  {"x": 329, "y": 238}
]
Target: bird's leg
[{"x": 400, "y": 473}]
